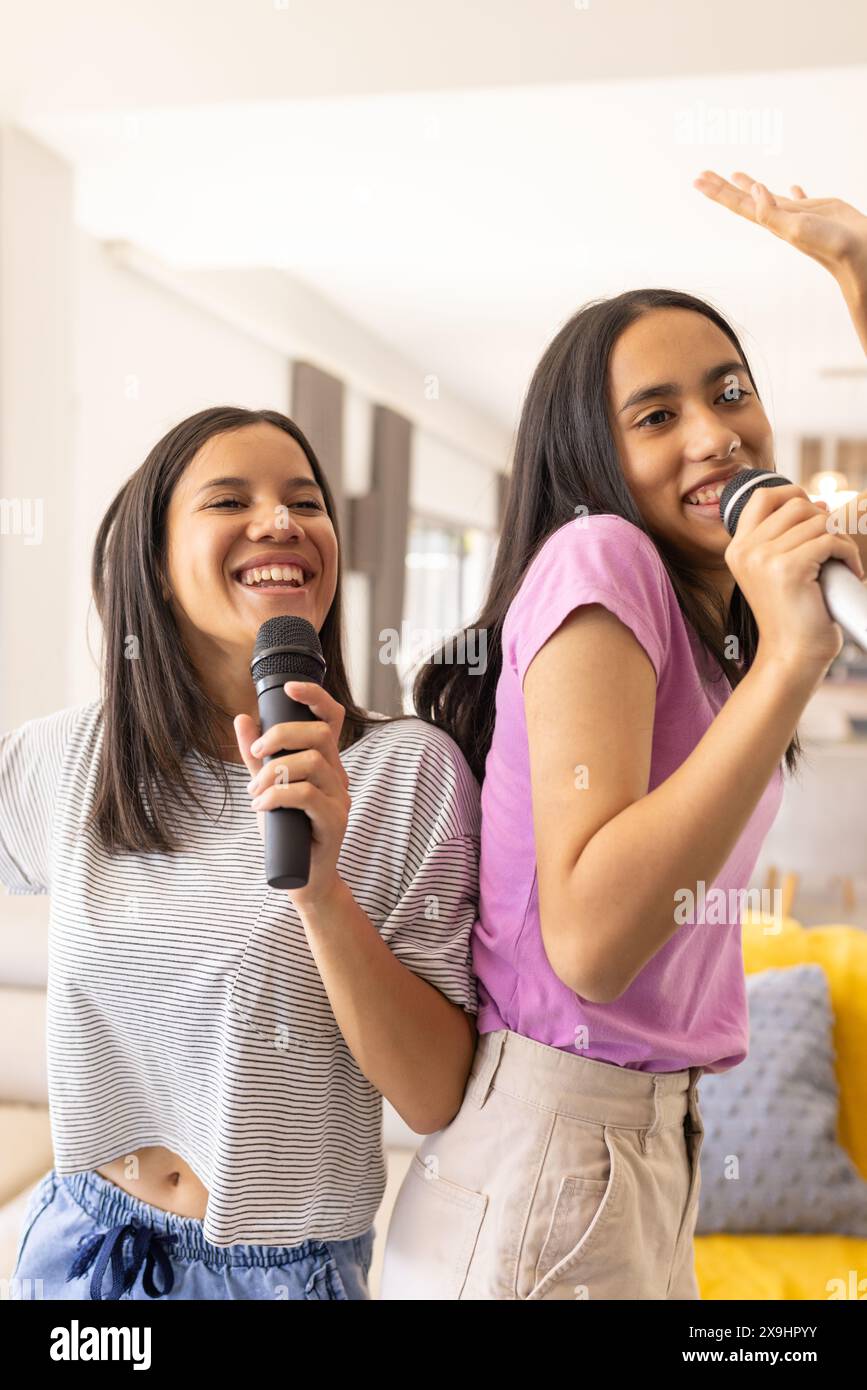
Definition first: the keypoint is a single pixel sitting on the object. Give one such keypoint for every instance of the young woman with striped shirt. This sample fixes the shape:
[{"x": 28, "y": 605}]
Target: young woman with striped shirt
[{"x": 218, "y": 1050}]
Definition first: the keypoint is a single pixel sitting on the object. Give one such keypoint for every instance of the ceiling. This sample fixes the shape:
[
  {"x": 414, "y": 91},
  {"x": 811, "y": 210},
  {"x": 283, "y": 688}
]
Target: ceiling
[
  {"x": 459, "y": 178},
  {"x": 99, "y": 55}
]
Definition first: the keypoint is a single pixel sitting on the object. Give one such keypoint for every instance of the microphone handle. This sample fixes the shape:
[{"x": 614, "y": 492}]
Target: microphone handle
[
  {"x": 845, "y": 598},
  {"x": 287, "y": 829},
  {"x": 844, "y": 593}
]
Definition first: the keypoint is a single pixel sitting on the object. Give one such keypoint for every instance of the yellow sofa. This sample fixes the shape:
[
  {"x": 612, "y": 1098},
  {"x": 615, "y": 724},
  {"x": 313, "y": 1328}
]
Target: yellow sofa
[{"x": 805, "y": 1266}]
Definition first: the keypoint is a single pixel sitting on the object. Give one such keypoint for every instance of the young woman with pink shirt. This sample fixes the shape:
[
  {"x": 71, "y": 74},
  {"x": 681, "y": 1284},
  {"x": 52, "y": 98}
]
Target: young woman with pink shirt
[{"x": 646, "y": 674}]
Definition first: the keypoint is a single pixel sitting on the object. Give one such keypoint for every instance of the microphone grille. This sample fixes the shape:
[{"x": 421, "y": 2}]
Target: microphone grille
[
  {"x": 291, "y": 644},
  {"x": 738, "y": 491}
]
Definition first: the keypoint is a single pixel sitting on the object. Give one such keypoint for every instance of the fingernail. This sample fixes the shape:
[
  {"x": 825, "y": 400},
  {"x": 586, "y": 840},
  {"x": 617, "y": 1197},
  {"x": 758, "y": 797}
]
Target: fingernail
[
  {"x": 256, "y": 803},
  {"x": 256, "y": 747},
  {"x": 251, "y": 785}
]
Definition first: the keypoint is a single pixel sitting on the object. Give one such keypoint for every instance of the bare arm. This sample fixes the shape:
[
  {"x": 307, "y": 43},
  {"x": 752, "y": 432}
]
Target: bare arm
[
  {"x": 851, "y": 276},
  {"x": 611, "y": 855},
  {"x": 413, "y": 1043},
  {"x": 408, "y": 1039},
  {"x": 829, "y": 231}
]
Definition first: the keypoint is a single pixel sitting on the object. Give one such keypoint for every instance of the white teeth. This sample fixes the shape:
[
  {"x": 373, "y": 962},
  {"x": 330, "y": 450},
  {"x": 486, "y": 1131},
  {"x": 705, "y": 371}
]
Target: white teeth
[
  {"x": 708, "y": 494},
  {"x": 273, "y": 573}
]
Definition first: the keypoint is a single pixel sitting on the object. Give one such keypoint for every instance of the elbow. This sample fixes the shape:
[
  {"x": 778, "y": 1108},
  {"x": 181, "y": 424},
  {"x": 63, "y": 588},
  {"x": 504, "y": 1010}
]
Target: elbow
[
  {"x": 589, "y": 979},
  {"x": 596, "y": 989},
  {"x": 430, "y": 1122},
  {"x": 437, "y": 1123},
  {"x": 571, "y": 942}
]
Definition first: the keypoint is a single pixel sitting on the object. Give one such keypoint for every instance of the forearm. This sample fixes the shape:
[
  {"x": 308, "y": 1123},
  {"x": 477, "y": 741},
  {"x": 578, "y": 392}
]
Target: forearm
[
  {"x": 622, "y": 889},
  {"x": 411, "y": 1042},
  {"x": 851, "y": 520},
  {"x": 852, "y": 279}
]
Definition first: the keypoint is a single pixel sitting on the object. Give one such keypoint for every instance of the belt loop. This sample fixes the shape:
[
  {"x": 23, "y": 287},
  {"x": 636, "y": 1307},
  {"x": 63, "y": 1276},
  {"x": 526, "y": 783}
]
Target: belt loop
[
  {"x": 656, "y": 1125},
  {"x": 480, "y": 1086}
]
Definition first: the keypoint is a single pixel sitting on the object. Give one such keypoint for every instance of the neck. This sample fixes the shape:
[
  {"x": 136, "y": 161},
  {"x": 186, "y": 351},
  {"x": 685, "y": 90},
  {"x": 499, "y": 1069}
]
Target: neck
[
  {"x": 723, "y": 581},
  {"x": 238, "y": 699},
  {"x": 230, "y": 753},
  {"x": 226, "y": 744},
  {"x": 224, "y": 673}
]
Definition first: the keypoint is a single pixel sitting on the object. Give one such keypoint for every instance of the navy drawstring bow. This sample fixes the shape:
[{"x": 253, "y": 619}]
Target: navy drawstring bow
[{"x": 147, "y": 1249}]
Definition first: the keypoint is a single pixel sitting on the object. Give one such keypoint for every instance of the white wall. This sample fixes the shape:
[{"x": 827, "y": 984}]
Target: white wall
[
  {"x": 357, "y": 461},
  {"x": 447, "y": 485},
  {"x": 36, "y": 424},
  {"x": 291, "y": 316}
]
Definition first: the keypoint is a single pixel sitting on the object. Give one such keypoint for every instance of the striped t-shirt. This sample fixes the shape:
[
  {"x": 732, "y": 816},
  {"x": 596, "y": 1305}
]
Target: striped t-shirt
[{"x": 184, "y": 1005}]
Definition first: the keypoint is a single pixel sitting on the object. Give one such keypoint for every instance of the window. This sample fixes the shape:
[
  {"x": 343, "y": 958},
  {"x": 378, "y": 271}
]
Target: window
[{"x": 447, "y": 574}]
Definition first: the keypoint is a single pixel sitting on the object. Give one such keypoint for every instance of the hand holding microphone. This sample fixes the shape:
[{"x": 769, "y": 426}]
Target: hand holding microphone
[
  {"x": 299, "y": 786},
  {"x": 781, "y": 546}
]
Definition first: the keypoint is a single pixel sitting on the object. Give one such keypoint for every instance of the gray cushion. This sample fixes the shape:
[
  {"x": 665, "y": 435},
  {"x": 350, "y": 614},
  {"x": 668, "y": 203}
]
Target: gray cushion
[{"x": 776, "y": 1114}]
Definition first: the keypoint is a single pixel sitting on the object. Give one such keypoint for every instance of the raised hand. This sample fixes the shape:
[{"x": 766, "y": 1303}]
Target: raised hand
[{"x": 827, "y": 229}]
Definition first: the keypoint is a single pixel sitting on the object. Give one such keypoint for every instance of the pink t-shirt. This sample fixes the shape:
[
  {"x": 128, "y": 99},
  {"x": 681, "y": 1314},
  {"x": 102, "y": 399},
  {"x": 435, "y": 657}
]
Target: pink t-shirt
[{"x": 688, "y": 1006}]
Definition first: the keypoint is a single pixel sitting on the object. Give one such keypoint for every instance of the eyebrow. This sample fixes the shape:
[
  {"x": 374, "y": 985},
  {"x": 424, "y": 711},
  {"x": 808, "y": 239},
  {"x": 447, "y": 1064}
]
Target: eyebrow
[
  {"x": 673, "y": 388},
  {"x": 300, "y": 481}
]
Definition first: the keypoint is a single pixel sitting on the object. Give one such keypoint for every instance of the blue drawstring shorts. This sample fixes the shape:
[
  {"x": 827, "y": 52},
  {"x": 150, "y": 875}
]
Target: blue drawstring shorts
[{"x": 84, "y": 1237}]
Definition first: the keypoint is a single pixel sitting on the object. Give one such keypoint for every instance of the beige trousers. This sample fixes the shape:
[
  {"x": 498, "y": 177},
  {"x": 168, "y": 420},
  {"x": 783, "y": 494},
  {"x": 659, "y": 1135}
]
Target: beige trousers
[{"x": 559, "y": 1178}]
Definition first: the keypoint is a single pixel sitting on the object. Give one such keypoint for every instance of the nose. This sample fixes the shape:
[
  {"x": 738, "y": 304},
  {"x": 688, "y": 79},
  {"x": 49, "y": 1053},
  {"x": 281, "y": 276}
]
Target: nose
[
  {"x": 274, "y": 520},
  {"x": 710, "y": 438}
]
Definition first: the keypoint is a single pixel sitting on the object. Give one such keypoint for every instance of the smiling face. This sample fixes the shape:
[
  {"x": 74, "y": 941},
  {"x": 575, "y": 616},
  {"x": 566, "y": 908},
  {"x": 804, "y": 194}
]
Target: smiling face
[
  {"x": 248, "y": 502},
  {"x": 683, "y": 406}
]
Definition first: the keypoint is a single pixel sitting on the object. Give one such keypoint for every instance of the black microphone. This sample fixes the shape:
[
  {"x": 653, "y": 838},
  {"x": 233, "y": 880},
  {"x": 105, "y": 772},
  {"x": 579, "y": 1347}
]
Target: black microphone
[
  {"x": 287, "y": 648},
  {"x": 844, "y": 593}
]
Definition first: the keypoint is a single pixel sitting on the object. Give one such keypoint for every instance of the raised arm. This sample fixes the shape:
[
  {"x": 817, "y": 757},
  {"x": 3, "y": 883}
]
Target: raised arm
[
  {"x": 828, "y": 231},
  {"x": 825, "y": 229}
]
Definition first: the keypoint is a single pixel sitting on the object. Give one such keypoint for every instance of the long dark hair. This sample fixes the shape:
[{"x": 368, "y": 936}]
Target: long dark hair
[
  {"x": 154, "y": 708},
  {"x": 565, "y": 457}
]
